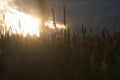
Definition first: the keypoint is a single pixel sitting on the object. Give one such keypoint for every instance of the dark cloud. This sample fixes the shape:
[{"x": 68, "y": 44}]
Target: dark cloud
[{"x": 93, "y": 11}]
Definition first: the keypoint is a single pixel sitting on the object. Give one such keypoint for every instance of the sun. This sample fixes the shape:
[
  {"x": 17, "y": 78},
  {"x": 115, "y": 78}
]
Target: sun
[
  {"x": 30, "y": 25},
  {"x": 23, "y": 24},
  {"x": 19, "y": 22}
]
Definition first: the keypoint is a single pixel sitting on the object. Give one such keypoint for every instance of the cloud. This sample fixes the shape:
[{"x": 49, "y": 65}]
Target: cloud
[
  {"x": 92, "y": 11},
  {"x": 106, "y": 9},
  {"x": 29, "y": 6}
]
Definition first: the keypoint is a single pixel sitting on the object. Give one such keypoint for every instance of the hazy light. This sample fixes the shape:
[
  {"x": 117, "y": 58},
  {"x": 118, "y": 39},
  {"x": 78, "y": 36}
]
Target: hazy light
[
  {"x": 20, "y": 22},
  {"x": 51, "y": 25}
]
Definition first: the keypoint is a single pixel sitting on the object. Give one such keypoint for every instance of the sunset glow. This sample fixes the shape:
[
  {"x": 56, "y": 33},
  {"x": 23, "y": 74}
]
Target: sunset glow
[
  {"x": 20, "y": 22},
  {"x": 50, "y": 25}
]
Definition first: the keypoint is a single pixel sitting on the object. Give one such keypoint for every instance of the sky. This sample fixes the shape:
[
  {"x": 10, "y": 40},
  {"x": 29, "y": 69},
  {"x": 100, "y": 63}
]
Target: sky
[
  {"x": 93, "y": 12},
  {"x": 78, "y": 11}
]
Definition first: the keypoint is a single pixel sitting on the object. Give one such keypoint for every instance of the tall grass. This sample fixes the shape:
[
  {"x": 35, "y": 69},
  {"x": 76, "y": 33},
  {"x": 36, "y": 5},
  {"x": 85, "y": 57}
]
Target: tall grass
[{"x": 68, "y": 57}]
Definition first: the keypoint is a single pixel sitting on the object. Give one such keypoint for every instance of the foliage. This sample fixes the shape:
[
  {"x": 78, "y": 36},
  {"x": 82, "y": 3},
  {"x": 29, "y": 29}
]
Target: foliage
[{"x": 72, "y": 56}]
